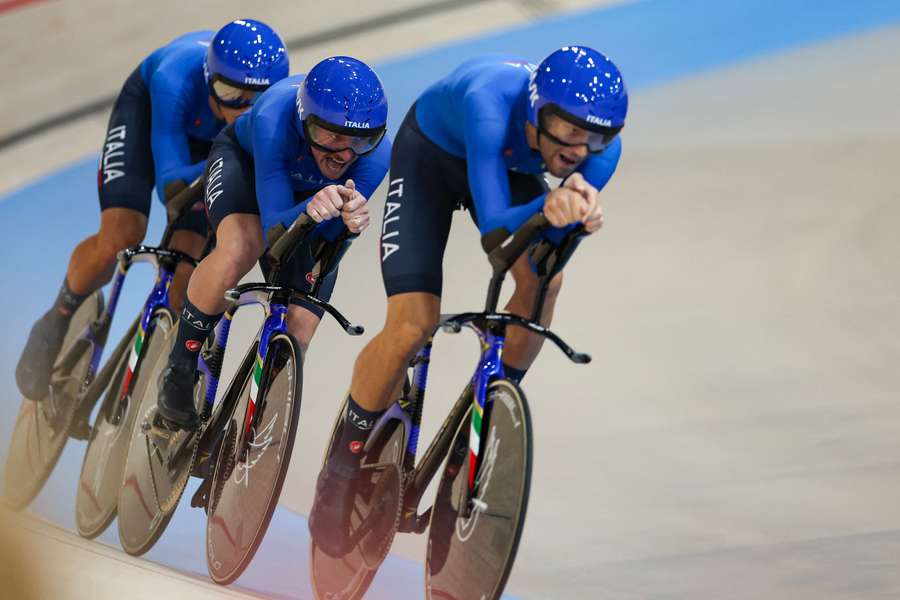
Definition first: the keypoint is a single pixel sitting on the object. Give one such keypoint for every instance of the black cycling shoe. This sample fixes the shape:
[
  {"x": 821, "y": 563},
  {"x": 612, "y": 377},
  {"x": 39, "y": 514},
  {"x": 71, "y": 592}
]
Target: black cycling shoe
[
  {"x": 176, "y": 397},
  {"x": 36, "y": 363},
  {"x": 329, "y": 521}
]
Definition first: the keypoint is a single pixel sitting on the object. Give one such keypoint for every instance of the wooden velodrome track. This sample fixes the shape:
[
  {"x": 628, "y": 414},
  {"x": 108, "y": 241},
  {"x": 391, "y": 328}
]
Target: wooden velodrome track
[{"x": 736, "y": 434}]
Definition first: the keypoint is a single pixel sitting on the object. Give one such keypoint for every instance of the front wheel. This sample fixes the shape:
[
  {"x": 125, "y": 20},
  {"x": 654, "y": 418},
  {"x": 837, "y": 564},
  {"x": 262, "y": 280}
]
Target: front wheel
[
  {"x": 472, "y": 542},
  {"x": 253, "y": 459},
  {"x": 42, "y": 427}
]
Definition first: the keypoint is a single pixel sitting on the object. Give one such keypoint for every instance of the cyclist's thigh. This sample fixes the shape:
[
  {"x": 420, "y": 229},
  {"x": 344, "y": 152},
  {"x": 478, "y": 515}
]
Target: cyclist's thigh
[
  {"x": 125, "y": 174},
  {"x": 418, "y": 211},
  {"x": 230, "y": 182}
]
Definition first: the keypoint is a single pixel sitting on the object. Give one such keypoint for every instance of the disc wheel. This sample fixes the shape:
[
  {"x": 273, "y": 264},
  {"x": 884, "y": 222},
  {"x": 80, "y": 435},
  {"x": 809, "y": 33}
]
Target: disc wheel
[
  {"x": 42, "y": 427},
  {"x": 253, "y": 461},
  {"x": 374, "y": 519},
  {"x": 97, "y": 497},
  {"x": 159, "y": 462},
  {"x": 472, "y": 545}
]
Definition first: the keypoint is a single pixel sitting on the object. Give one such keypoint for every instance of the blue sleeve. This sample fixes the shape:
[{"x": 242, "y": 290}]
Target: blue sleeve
[
  {"x": 598, "y": 169},
  {"x": 484, "y": 130},
  {"x": 168, "y": 139},
  {"x": 274, "y": 192}
]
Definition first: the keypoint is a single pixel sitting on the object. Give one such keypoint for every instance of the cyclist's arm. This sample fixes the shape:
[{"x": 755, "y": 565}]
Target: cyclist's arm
[
  {"x": 168, "y": 139},
  {"x": 272, "y": 157},
  {"x": 485, "y": 129},
  {"x": 598, "y": 169}
]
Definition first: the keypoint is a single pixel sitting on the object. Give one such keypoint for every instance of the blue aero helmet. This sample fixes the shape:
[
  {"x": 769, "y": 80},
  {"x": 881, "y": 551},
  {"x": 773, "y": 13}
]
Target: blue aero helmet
[
  {"x": 245, "y": 55},
  {"x": 341, "y": 105},
  {"x": 582, "y": 86}
]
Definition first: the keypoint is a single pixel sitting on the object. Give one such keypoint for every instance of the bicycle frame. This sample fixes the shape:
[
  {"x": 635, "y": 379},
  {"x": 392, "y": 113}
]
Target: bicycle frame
[
  {"x": 97, "y": 332},
  {"x": 490, "y": 327},
  {"x": 274, "y": 301}
]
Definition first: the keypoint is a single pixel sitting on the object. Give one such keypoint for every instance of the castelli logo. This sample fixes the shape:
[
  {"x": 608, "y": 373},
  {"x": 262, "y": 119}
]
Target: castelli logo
[
  {"x": 193, "y": 345},
  {"x": 356, "y": 447}
]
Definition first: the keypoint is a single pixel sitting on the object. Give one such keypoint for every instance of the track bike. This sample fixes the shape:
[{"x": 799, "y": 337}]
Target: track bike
[
  {"x": 485, "y": 444},
  {"x": 242, "y": 448},
  {"x": 96, "y": 500},
  {"x": 44, "y": 425}
]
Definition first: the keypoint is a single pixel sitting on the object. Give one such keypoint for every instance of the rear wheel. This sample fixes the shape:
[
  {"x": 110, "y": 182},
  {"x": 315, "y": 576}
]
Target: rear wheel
[
  {"x": 42, "y": 427},
  {"x": 472, "y": 544},
  {"x": 159, "y": 461},
  {"x": 374, "y": 518},
  {"x": 252, "y": 464}
]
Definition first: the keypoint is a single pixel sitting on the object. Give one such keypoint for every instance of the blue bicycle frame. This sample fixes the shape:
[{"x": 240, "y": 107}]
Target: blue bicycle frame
[
  {"x": 97, "y": 332},
  {"x": 490, "y": 326}
]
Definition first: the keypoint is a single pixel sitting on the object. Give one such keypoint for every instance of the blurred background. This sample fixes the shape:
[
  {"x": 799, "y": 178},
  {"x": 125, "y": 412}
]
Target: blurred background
[{"x": 736, "y": 435}]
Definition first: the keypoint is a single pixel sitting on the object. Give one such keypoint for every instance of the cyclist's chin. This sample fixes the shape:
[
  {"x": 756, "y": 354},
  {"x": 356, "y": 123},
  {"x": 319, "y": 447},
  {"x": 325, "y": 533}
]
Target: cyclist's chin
[
  {"x": 332, "y": 165},
  {"x": 563, "y": 165}
]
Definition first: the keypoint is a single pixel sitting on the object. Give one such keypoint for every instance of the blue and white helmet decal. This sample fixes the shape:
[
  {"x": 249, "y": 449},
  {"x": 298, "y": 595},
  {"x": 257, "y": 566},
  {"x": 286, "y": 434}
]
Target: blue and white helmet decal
[
  {"x": 583, "y": 83},
  {"x": 247, "y": 53},
  {"x": 343, "y": 91}
]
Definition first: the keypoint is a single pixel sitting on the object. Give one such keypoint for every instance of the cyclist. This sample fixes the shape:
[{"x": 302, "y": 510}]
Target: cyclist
[
  {"x": 315, "y": 144},
  {"x": 160, "y": 130},
  {"x": 480, "y": 138}
]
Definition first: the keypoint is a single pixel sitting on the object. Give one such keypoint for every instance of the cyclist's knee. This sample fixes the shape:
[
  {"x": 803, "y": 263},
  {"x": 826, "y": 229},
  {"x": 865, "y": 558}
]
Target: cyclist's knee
[
  {"x": 111, "y": 241},
  {"x": 412, "y": 320},
  {"x": 235, "y": 257}
]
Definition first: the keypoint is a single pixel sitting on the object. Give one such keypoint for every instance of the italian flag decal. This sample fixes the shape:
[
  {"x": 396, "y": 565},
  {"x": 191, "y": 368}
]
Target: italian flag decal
[
  {"x": 254, "y": 390},
  {"x": 474, "y": 441},
  {"x": 132, "y": 361}
]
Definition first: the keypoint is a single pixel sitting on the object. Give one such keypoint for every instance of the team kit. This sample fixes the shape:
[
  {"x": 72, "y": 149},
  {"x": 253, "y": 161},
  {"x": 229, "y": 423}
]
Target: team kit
[{"x": 256, "y": 165}]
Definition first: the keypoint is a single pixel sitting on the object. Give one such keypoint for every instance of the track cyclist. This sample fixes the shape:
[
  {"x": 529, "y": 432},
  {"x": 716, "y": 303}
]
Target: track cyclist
[
  {"x": 160, "y": 131},
  {"x": 315, "y": 144},
  {"x": 480, "y": 139}
]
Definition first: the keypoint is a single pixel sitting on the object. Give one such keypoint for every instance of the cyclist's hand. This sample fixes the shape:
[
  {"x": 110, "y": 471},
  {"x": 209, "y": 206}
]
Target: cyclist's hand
[
  {"x": 355, "y": 211},
  {"x": 593, "y": 214},
  {"x": 564, "y": 206},
  {"x": 326, "y": 204}
]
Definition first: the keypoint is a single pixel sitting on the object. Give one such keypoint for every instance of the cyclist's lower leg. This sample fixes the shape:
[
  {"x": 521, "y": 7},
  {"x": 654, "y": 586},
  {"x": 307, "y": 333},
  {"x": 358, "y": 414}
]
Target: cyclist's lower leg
[
  {"x": 380, "y": 367},
  {"x": 377, "y": 378},
  {"x": 522, "y": 347},
  {"x": 192, "y": 244},
  {"x": 302, "y": 324},
  {"x": 90, "y": 267},
  {"x": 238, "y": 246}
]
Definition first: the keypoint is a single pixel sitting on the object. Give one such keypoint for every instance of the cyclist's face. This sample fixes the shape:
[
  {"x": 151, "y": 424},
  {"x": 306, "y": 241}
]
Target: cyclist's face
[
  {"x": 333, "y": 164},
  {"x": 562, "y": 160},
  {"x": 229, "y": 115}
]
